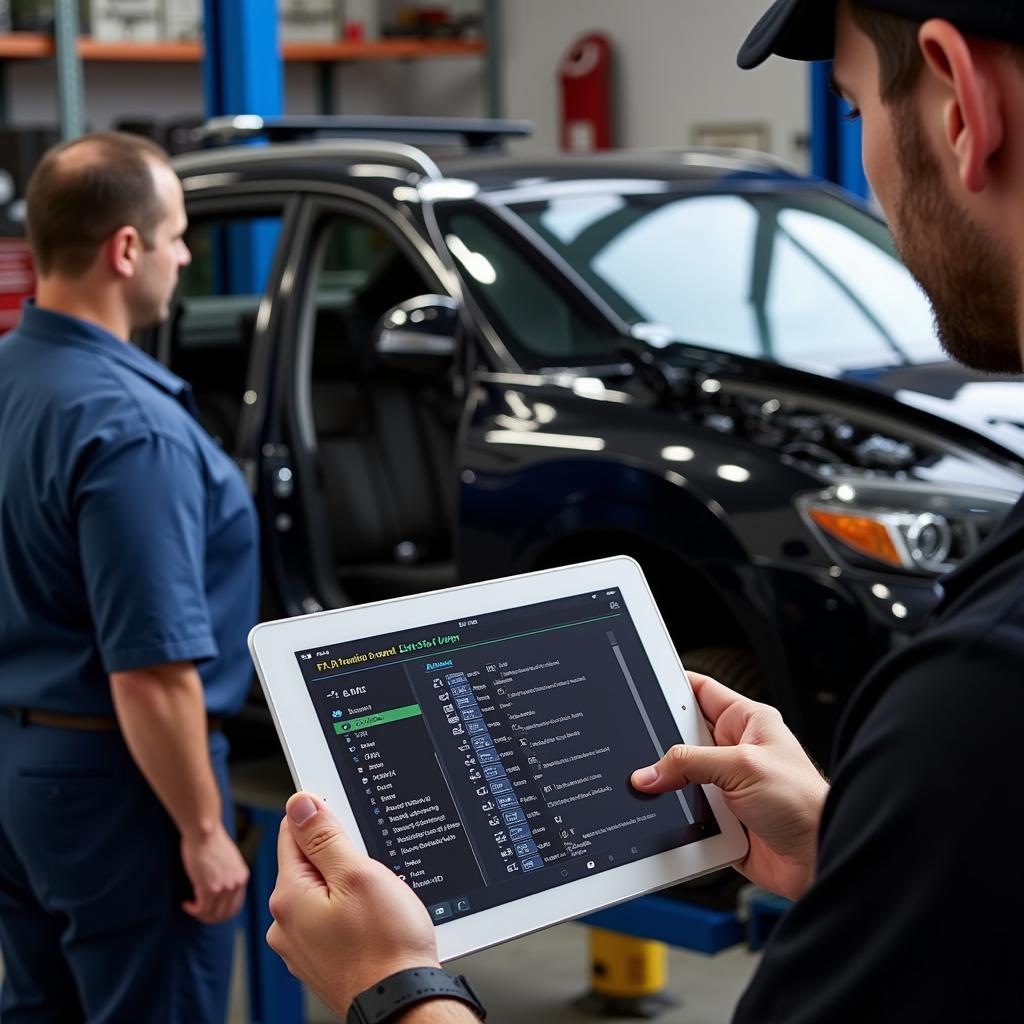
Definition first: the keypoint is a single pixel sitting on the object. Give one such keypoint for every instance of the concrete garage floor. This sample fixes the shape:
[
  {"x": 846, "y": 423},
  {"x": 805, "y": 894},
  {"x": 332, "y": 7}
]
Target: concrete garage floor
[{"x": 537, "y": 978}]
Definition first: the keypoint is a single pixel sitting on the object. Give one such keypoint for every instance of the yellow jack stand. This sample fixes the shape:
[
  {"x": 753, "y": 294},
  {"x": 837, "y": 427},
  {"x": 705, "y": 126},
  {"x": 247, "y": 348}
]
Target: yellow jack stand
[{"x": 627, "y": 976}]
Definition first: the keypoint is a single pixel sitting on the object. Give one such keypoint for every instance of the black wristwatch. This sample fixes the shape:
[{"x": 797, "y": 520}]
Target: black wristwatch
[{"x": 399, "y": 992}]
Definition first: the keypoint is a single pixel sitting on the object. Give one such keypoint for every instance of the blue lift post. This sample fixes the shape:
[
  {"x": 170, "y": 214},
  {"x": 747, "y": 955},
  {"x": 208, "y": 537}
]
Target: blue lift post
[
  {"x": 243, "y": 74},
  {"x": 835, "y": 141},
  {"x": 275, "y": 997},
  {"x": 673, "y": 922}
]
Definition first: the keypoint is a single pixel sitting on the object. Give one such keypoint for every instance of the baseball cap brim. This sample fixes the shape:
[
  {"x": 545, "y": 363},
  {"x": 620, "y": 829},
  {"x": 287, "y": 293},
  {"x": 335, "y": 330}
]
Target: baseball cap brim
[{"x": 798, "y": 29}]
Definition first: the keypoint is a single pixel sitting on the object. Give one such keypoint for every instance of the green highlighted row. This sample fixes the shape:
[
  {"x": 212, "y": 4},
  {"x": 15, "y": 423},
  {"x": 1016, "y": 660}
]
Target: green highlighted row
[{"x": 381, "y": 718}]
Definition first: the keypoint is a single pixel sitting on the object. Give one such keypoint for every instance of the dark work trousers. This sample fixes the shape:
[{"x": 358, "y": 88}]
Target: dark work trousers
[{"x": 91, "y": 886}]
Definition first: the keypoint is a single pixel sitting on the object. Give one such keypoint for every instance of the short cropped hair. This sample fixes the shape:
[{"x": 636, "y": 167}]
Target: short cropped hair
[
  {"x": 899, "y": 55},
  {"x": 76, "y": 200}
]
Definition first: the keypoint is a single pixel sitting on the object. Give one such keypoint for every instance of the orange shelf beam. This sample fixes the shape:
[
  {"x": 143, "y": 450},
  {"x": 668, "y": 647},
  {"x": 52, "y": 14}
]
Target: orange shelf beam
[
  {"x": 31, "y": 45},
  {"x": 25, "y": 45},
  {"x": 144, "y": 53},
  {"x": 385, "y": 49}
]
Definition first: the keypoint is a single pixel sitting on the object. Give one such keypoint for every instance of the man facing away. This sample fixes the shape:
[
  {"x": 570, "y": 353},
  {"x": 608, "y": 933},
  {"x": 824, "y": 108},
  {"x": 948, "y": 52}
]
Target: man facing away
[
  {"x": 909, "y": 887},
  {"x": 128, "y": 581}
]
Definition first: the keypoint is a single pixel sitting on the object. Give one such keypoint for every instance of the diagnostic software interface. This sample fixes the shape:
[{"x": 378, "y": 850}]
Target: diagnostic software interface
[{"x": 489, "y": 758}]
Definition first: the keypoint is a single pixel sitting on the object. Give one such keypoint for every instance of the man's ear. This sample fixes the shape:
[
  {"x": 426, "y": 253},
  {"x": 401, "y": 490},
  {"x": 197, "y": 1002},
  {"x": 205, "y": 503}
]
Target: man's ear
[
  {"x": 123, "y": 251},
  {"x": 972, "y": 113}
]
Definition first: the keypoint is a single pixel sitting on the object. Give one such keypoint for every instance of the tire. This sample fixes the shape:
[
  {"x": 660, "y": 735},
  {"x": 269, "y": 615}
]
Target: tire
[{"x": 731, "y": 666}]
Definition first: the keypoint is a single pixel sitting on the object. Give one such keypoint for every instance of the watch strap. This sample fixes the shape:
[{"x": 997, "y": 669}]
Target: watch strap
[{"x": 400, "y": 991}]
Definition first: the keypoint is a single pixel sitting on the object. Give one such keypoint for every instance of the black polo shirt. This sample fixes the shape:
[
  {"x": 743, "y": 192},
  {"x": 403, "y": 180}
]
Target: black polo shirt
[{"x": 918, "y": 907}]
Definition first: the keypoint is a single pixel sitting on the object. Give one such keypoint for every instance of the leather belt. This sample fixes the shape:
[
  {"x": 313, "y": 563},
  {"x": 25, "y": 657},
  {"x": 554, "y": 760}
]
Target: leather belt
[{"x": 84, "y": 723}]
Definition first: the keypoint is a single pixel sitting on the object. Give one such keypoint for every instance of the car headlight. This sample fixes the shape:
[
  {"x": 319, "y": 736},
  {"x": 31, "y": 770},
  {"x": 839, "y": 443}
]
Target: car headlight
[{"x": 905, "y": 527}]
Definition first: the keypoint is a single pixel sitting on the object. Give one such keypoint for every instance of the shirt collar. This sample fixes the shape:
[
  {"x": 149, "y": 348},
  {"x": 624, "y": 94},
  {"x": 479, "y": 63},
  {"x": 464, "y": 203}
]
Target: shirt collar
[{"x": 70, "y": 330}]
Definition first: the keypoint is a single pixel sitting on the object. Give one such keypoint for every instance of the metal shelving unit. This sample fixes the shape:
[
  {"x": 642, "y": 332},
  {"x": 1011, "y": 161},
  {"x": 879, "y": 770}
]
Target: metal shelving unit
[
  {"x": 224, "y": 68},
  {"x": 37, "y": 46}
]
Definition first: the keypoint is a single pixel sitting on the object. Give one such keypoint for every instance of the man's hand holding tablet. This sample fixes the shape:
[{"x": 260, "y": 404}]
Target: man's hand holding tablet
[
  {"x": 478, "y": 743},
  {"x": 342, "y": 921},
  {"x": 767, "y": 779}
]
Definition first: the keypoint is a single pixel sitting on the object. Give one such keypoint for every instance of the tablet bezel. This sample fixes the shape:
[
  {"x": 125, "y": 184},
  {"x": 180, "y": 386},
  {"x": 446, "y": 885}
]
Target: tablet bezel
[{"x": 273, "y": 646}]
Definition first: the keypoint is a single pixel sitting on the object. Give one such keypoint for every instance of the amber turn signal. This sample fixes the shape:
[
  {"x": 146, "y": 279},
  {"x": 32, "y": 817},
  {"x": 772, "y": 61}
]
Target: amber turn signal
[{"x": 862, "y": 534}]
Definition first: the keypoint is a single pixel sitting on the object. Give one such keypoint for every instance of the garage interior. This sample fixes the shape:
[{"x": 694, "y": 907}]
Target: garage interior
[{"x": 380, "y": 475}]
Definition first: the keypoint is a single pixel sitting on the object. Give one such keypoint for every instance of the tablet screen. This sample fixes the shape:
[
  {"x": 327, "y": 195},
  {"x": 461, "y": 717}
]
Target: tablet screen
[{"x": 489, "y": 758}]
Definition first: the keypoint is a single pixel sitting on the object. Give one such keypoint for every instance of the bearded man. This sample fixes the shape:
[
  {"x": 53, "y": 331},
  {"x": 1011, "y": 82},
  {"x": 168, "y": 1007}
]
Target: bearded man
[{"x": 908, "y": 888}]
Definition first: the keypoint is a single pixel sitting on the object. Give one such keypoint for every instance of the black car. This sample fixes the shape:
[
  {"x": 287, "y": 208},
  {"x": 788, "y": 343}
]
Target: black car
[{"x": 444, "y": 370}]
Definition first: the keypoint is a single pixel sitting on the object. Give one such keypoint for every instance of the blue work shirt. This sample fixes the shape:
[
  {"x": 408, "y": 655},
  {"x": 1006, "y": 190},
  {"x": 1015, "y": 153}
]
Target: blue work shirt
[{"x": 127, "y": 537}]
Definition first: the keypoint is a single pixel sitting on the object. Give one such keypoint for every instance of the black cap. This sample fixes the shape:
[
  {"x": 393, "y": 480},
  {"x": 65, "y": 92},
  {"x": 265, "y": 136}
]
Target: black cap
[{"x": 806, "y": 29}]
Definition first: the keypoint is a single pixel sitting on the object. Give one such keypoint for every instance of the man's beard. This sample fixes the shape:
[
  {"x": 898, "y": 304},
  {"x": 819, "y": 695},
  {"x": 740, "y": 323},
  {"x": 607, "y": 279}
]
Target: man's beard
[{"x": 966, "y": 275}]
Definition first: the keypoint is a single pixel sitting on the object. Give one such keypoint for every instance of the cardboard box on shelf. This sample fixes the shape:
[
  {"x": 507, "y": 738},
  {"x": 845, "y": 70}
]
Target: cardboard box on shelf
[
  {"x": 37, "y": 15},
  {"x": 308, "y": 21},
  {"x": 183, "y": 20},
  {"x": 137, "y": 21}
]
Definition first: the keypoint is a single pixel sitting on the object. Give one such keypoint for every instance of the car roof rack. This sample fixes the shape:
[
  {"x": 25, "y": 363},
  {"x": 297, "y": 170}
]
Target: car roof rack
[
  {"x": 474, "y": 133},
  {"x": 400, "y": 154}
]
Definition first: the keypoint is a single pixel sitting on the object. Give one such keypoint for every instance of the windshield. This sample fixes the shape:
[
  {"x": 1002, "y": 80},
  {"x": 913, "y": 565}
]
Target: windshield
[{"x": 801, "y": 278}]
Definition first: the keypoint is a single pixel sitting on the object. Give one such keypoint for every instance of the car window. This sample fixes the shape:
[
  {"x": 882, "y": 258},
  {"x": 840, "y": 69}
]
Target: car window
[
  {"x": 218, "y": 297},
  {"x": 528, "y": 310},
  {"x": 230, "y": 256},
  {"x": 360, "y": 274},
  {"x": 354, "y": 252},
  {"x": 809, "y": 313},
  {"x": 884, "y": 287},
  {"x": 700, "y": 291},
  {"x": 805, "y": 279}
]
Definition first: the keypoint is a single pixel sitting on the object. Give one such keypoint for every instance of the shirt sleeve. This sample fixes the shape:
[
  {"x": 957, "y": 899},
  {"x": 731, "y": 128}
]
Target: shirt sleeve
[
  {"x": 915, "y": 911},
  {"x": 141, "y": 515}
]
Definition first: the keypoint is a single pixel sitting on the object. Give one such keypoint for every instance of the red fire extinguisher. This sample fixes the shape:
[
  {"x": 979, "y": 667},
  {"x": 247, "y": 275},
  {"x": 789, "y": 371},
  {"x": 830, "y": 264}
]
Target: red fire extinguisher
[{"x": 585, "y": 75}]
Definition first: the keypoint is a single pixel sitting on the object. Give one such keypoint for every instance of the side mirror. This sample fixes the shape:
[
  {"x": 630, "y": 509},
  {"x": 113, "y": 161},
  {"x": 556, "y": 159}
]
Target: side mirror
[{"x": 418, "y": 334}]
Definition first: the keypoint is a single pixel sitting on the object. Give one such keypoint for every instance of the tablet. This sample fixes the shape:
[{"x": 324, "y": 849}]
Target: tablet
[{"x": 479, "y": 741}]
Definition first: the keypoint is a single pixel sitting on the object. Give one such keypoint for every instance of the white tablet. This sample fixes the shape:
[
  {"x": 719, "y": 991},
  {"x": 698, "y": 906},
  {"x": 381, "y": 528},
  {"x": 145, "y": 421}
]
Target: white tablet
[{"x": 479, "y": 741}]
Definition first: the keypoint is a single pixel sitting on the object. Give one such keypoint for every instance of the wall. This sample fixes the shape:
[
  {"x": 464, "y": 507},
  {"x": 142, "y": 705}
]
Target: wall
[
  {"x": 675, "y": 69},
  {"x": 675, "y": 65}
]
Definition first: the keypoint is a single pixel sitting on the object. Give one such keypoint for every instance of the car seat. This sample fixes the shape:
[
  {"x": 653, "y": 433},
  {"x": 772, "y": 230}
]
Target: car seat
[{"x": 385, "y": 459}]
